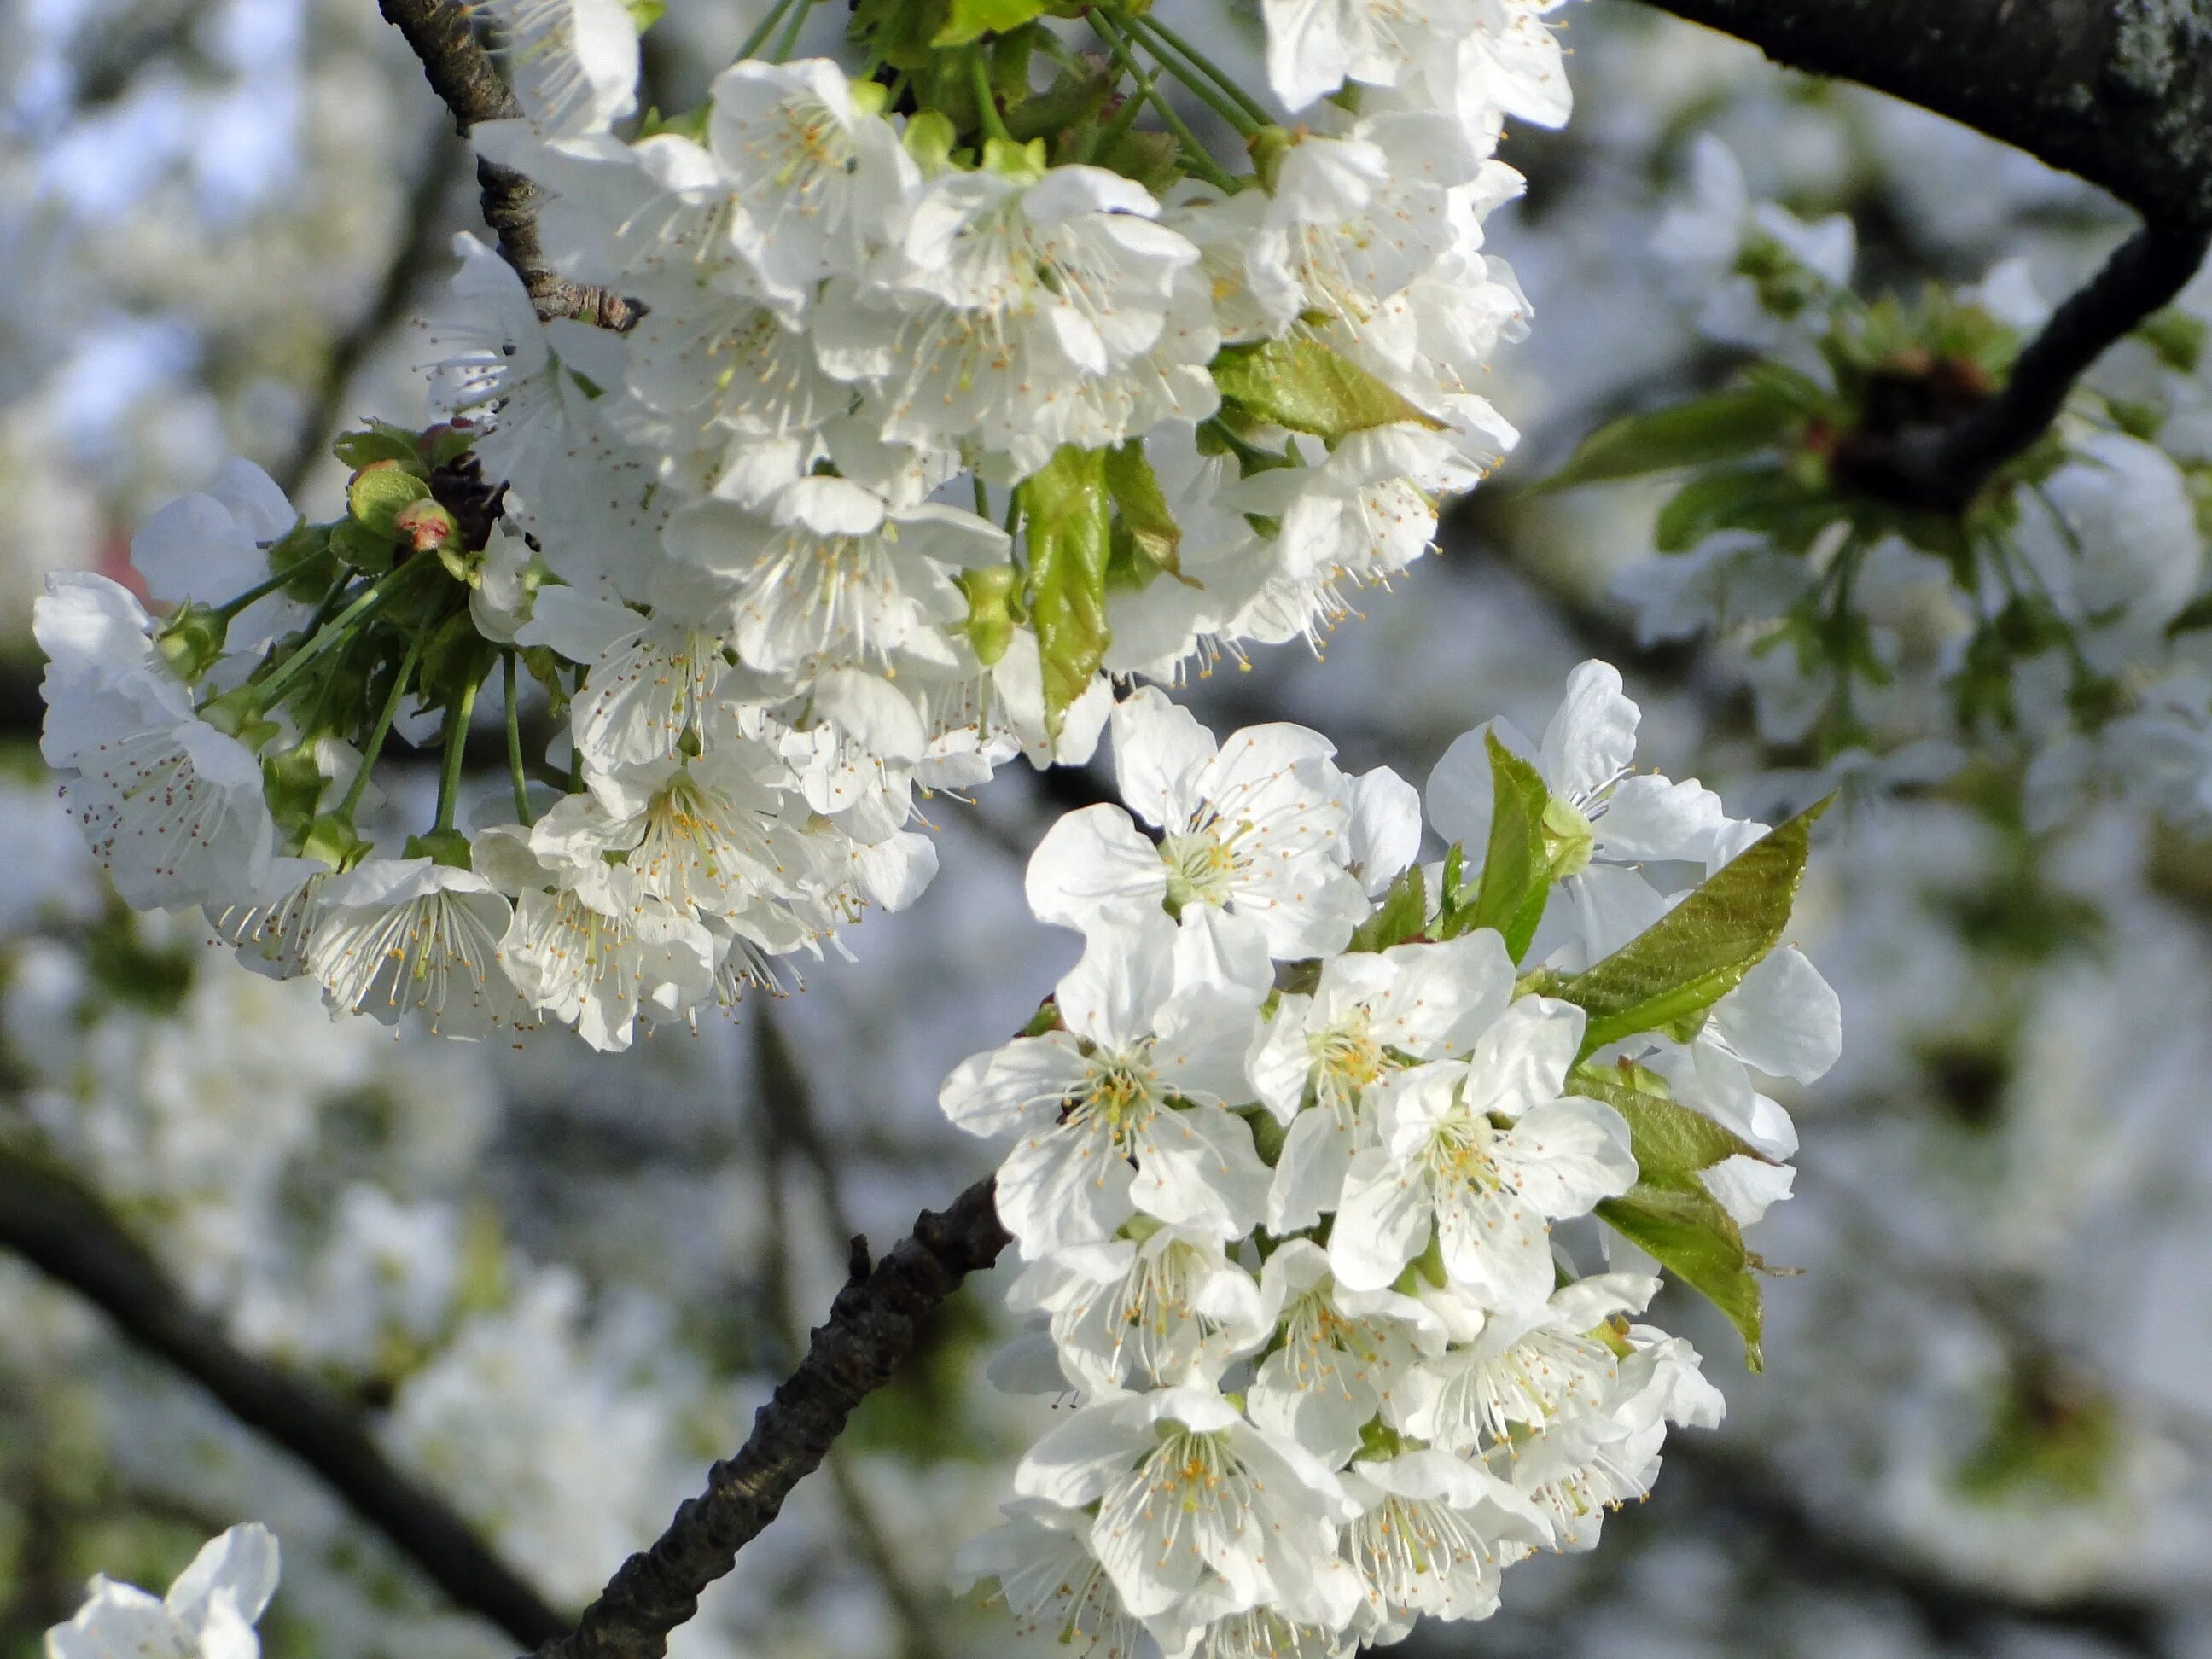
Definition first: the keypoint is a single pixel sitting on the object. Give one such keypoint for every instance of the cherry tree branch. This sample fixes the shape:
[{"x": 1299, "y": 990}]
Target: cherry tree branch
[
  {"x": 462, "y": 73},
  {"x": 2118, "y": 92},
  {"x": 874, "y": 1325},
  {"x": 67, "y": 1236}
]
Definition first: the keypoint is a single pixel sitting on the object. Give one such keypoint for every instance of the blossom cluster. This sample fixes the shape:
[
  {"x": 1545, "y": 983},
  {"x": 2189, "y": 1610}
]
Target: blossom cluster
[
  {"x": 927, "y": 404},
  {"x": 1303, "y": 1142},
  {"x": 2057, "y": 617}
]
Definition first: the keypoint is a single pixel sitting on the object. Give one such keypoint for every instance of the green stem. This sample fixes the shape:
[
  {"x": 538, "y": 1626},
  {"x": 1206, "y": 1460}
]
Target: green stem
[
  {"x": 376, "y": 744},
  {"x": 983, "y": 495},
  {"x": 449, "y": 774},
  {"x": 371, "y": 599},
  {"x": 1194, "y": 154},
  {"x": 1100, "y": 141},
  {"x": 515, "y": 738},
  {"x": 1147, "y": 26},
  {"x": 263, "y": 590},
  {"x": 987, "y": 105},
  {"x": 790, "y": 36},
  {"x": 764, "y": 28}
]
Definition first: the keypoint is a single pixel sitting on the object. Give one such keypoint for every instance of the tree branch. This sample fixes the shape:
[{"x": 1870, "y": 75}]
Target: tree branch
[
  {"x": 67, "y": 1236},
  {"x": 872, "y": 1327},
  {"x": 2118, "y": 92},
  {"x": 462, "y": 73}
]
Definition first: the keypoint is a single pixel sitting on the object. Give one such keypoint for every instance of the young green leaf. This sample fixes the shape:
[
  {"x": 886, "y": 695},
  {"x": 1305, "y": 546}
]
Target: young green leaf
[
  {"x": 1300, "y": 383},
  {"x": 1668, "y": 1213},
  {"x": 1069, "y": 514},
  {"x": 1402, "y": 914},
  {"x": 971, "y": 19},
  {"x": 1517, "y": 866},
  {"x": 1690, "y": 1234},
  {"x": 1718, "y": 428},
  {"x": 1700, "y": 951},
  {"x": 1151, "y": 539},
  {"x": 1714, "y": 502}
]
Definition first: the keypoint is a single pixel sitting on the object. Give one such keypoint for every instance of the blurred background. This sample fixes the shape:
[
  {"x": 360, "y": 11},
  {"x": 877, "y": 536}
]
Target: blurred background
[{"x": 561, "y": 1284}]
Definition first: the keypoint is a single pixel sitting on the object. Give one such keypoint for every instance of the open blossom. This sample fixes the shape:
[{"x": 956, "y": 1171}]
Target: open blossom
[
  {"x": 1254, "y": 850},
  {"x": 398, "y": 935},
  {"x": 1122, "y": 1111},
  {"x": 209, "y": 1614}
]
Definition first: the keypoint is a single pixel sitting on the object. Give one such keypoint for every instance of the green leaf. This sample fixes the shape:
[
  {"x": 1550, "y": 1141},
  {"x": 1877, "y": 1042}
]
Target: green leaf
[
  {"x": 380, "y": 441},
  {"x": 971, "y": 19},
  {"x": 1700, "y": 951},
  {"x": 1402, "y": 914},
  {"x": 1668, "y": 1213},
  {"x": 1714, "y": 501},
  {"x": 1069, "y": 518},
  {"x": 1690, "y": 1234},
  {"x": 1517, "y": 866},
  {"x": 1146, "y": 538},
  {"x": 1300, "y": 383},
  {"x": 1718, "y": 428},
  {"x": 1671, "y": 1142}
]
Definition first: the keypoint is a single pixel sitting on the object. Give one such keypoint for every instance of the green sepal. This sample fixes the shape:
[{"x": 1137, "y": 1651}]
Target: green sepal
[
  {"x": 238, "y": 712},
  {"x": 930, "y": 139},
  {"x": 1402, "y": 915},
  {"x": 644, "y": 14},
  {"x": 332, "y": 840},
  {"x": 448, "y": 847},
  {"x": 304, "y": 550},
  {"x": 1068, "y": 514},
  {"x": 1721, "y": 427},
  {"x": 1306, "y": 384},
  {"x": 993, "y": 594},
  {"x": 292, "y": 784},
  {"x": 1700, "y": 951},
  {"x": 190, "y": 640}
]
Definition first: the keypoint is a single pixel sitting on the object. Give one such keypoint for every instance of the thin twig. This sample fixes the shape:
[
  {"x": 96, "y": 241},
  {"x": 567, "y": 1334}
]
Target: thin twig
[
  {"x": 460, "y": 70},
  {"x": 874, "y": 1325},
  {"x": 67, "y": 1235}
]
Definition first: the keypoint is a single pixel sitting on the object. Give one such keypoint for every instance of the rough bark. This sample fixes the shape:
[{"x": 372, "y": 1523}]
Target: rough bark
[
  {"x": 2118, "y": 91},
  {"x": 462, "y": 73},
  {"x": 872, "y": 1326}
]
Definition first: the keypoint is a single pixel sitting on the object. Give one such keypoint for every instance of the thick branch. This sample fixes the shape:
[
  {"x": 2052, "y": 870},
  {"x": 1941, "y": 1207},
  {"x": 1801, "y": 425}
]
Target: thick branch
[
  {"x": 873, "y": 1325},
  {"x": 69, "y": 1238},
  {"x": 1941, "y": 468},
  {"x": 462, "y": 73},
  {"x": 2116, "y": 91}
]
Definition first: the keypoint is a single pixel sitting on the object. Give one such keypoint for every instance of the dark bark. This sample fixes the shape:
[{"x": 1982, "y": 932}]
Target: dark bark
[
  {"x": 462, "y": 73},
  {"x": 872, "y": 1327},
  {"x": 68, "y": 1237},
  {"x": 2118, "y": 92}
]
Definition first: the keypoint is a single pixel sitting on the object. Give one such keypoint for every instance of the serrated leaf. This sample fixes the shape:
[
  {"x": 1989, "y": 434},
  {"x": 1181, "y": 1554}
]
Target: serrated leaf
[
  {"x": 1068, "y": 515},
  {"x": 1689, "y": 1234},
  {"x": 1402, "y": 914},
  {"x": 1516, "y": 865},
  {"x": 1147, "y": 540},
  {"x": 1700, "y": 951},
  {"x": 1718, "y": 428},
  {"x": 968, "y": 20},
  {"x": 1301, "y": 383},
  {"x": 1671, "y": 1142}
]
